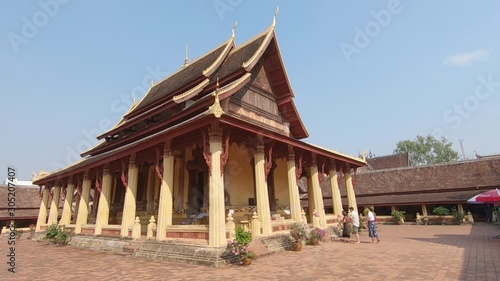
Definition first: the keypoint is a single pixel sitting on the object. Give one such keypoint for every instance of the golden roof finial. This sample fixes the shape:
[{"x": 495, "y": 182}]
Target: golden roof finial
[
  {"x": 152, "y": 81},
  {"x": 186, "y": 59},
  {"x": 215, "y": 108},
  {"x": 275, "y": 15},
  {"x": 234, "y": 29},
  {"x": 133, "y": 98}
]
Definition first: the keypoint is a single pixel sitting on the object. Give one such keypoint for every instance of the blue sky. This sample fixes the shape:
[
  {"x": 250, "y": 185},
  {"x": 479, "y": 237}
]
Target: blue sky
[{"x": 365, "y": 74}]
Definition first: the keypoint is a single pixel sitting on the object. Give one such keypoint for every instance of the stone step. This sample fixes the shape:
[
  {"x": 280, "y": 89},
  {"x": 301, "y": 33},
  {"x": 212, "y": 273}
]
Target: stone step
[
  {"x": 272, "y": 244},
  {"x": 180, "y": 252},
  {"x": 132, "y": 247}
]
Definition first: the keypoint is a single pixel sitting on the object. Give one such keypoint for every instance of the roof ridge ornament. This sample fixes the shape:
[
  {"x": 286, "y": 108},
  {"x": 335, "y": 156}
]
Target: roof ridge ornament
[
  {"x": 215, "y": 108},
  {"x": 186, "y": 58},
  {"x": 275, "y": 15},
  {"x": 234, "y": 29}
]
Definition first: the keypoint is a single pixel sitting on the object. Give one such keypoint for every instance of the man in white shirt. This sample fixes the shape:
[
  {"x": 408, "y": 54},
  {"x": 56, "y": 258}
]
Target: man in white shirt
[{"x": 355, "y": 223}]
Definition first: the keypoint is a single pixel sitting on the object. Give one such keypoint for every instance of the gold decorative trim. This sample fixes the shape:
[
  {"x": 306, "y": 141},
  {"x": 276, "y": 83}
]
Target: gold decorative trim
[
  {"x": 360, "y": 160},
  {"x": 216, "y": 108},
  {"x": 250, "y": 63},
  {"x": 191, "y": 92},
  {"x": 210, "y": 70}
]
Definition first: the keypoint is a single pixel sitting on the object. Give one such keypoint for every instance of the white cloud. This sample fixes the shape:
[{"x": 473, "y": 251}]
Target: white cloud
[{"x": 465, "y": 59}]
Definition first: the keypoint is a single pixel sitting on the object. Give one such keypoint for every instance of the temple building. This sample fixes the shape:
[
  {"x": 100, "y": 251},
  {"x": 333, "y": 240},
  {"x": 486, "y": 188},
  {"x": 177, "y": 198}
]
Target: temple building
[
  {"x": 27, "y": 204},
  {"x": 391, "y": 183},
  {"x": 215, "y": 143}
]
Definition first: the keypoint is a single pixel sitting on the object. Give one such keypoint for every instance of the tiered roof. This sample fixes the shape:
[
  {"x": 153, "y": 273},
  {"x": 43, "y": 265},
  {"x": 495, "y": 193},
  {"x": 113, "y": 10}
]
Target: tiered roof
[{"x": 186, "y": 97}]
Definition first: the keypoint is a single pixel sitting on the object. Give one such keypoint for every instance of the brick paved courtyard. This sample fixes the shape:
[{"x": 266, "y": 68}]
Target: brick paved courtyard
[{"x": 406, "y": 252}]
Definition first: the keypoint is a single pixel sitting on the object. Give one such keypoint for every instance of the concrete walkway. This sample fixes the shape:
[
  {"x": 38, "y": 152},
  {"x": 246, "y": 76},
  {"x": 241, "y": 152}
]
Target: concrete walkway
[{"x": 406, "y": 252}]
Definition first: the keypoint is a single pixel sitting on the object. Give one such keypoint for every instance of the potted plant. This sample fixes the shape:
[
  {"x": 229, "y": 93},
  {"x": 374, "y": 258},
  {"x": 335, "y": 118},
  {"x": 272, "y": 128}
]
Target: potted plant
[
  {"x": 441, "y": 212},
  {"x": 398, "y": 216},
  {"x": 298, "y": 232},
  {"x": 316, "y": 235},
  {"x": 239, "y": 246}
]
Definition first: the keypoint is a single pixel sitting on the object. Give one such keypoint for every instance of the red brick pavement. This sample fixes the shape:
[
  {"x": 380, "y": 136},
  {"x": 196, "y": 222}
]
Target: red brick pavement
[{"x": 406, "y": 252}]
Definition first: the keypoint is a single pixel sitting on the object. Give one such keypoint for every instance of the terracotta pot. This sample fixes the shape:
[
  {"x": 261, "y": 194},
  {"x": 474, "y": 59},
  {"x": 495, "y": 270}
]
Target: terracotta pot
[
  {"x": 246, "y": 261},
  {"x": 314, "y": 241},
  {"x": 296, "y": 246}
]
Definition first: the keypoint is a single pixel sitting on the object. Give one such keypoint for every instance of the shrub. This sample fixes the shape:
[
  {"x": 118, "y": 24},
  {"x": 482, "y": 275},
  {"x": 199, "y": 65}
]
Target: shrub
[
  {"x": 398, "y": 216},
  {"x": 51, "y": 232},
  {"x": 239, "y": 245},
  {"x": 57, "y": 234},
  {"x": 459, "y": 216},
  {"x": 441, "y": 211},
  {"x": 62, "y": 237}
]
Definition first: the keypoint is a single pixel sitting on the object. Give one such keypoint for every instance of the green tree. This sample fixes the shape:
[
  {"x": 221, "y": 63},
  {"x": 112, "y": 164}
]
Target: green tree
[{"x": 427, "y": 150}]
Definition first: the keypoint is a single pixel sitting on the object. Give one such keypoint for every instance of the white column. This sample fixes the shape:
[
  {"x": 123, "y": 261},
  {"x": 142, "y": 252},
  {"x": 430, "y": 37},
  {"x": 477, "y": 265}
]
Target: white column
[
  {"x": 129, "y": 204},
  {"x": 166, "y": 192},
  {"x": 83, "y": 207},
  {"x": 54, "y": 206},
  {"x": 318, "y": 195},
  {"x": 337, "y": 201},
  {"x": 102, "y": 217},
  {"x": 310, "y": 198},
  {"x": 68, "y": 201},
  {"x": 351, "y": 196},
  {"x": 293, "y": 189},
  {"x": 216, "y": 209},
  {"x": 77, "y": 205},
  {"x": 42, "y": 213},
  {"x": 424, "y": 210},
  {"x": 261, "y": 190}
]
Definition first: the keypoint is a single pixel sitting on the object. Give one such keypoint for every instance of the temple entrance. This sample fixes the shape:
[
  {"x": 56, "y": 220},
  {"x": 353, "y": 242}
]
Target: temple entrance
[
  {"x": 196, "y": 191},
  {"x": 198, "y": 182}
]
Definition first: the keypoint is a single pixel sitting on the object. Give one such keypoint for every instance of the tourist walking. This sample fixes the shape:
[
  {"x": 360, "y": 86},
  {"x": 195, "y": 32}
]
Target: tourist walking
[
  {"x": 346, "y": 231},
  {"x": 372, "y": 225},
  {"x": 355, "y": 223}
]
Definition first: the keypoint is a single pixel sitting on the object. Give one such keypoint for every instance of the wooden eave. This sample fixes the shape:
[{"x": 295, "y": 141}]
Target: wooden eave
[
  {"x": 202, "y": 104},
  {"x": 201, "y": 120},
  {"x": 297, "y": 144},
  {"x": 278, "y": 78},
  {"x": 199, "y": 75},
  {"x": 138, "y": 114},
  {"x": 153, "y": 109},
  {"x": 282, "y": 88}
]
